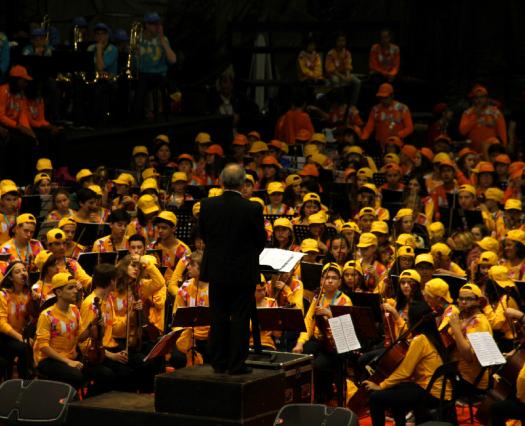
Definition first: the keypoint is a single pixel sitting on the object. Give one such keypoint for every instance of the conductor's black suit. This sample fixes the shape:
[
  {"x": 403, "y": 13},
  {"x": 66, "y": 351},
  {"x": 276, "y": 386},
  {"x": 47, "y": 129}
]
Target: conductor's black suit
[{"x": 232, "y": 229}]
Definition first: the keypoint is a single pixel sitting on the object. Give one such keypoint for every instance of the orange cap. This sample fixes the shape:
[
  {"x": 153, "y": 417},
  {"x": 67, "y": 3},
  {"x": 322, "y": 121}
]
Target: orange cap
[
  {"x": 216, "y": 150},
  {"x": 502, "y": 158},
  {"x": 427, "y": 152},
  {"x": 270, "y": 161},
  {"x": 309, "y": 170},
  {"x": 240, "y": 140},
  {"x": 255, "y": 134},
  {"x": 395, "y": 140},
  {"x": 385, "y": 90},
  {"x": 186, "y": 157},
  {"x": 493, "y": 140},
  {"x": 484, "y": 167},
  {"x": 443, "y": 137},
  {"x": 392, "y": 167},
  {"x": 447, "y": 162},
  {"x": 20, "y": 72},
  {"x": 303, "y": 135},
  {"x": 466, "y": 151},
  {"x": 410, "y": 151},
  {"x": 478, "y": 90}
]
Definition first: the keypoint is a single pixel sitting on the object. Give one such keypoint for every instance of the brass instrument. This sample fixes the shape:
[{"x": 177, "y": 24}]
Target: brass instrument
[
  {"x": 135, "y": 35},
  {"x": 46, "y": 22},
  {"x": 78, "y": 37}
]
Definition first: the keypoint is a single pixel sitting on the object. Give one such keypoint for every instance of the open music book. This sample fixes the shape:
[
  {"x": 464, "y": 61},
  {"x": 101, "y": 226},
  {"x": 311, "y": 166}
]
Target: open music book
[
  {"x": 280, "y": 260},
  {"x": 485, "y": 348},
  {"x": 344, "y": 334}
]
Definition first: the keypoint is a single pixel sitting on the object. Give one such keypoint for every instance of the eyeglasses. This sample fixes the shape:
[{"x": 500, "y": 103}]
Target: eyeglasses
[{"x": 467, "y": 298}]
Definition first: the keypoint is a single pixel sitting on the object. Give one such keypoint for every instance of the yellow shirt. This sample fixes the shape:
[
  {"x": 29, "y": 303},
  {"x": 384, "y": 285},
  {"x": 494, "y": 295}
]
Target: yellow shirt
[
  {"x": 312, "y": 330},
  {"x": 105, "y": 244},
  {"x": 42, "y": 291},
  {"x": 469, "y": 371},
  {"x": 88, "y": 314},
  {"x": 291, "y": 294},
  {"x": 57, "y": 330},
  {"x": 498, "y": 321},
  {"x": 74, "y": 268},
  {"x": 419, "y": 364},
  {"x": 13, "y": 311},
  {"x": 187, "y": 296},
  {"x": 172, "y": 255},
  {"x": 6, "y": 223}
]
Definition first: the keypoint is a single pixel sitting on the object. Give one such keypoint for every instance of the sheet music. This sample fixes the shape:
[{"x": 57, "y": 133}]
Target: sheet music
[
  {"x": 485, "y": 348},
  {"x": 280, "y": 260},
  {"x": 344, "y": 335}
]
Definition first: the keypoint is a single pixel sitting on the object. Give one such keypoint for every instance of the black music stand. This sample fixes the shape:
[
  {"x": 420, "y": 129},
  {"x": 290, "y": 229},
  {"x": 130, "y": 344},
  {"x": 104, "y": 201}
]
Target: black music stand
[
  {"x": 368, "y": 300},
  {"x": 156, "y": 253},
  {"x": 301, "y": 232},
  {"x": 163, "y": 346},
  {"x": 4, "y": 257},
  {"x": 521, "y": 289},
  {"x": 363, "y": 319},
  {"x": 454, "y": 283},
  {"x": 191, "y": 317},
  {"x": 272, "y": 217},
  {"x": 87, "y": 233},
  {"x": 379, "y": 179},
  {"x": 459, "y": 219},
  {"x": 31, "y": 204},
  {"x": 89, "y": 260},
  {"x": 185, "y": 224},
  {"x": 311, "y": 275},
  {"x": 282, "y": 319},
  {"x": 46, "y": 226},
  {"x": 121, "y": 254}
]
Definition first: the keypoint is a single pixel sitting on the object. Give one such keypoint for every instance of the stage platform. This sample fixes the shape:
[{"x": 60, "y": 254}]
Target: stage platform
[{"x": 111, "y": 146}]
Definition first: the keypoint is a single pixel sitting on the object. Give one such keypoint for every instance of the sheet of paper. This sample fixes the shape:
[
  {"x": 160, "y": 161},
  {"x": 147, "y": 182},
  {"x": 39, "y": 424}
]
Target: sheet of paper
[
  {"x": 343, "y": 332},
  {"x": 485, "y": 348},
  {"x": 280, "y": 260}
]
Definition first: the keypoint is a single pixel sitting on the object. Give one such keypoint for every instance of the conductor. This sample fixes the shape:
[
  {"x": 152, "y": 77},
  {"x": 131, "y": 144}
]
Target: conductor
[{"x": 233, "y": 232}]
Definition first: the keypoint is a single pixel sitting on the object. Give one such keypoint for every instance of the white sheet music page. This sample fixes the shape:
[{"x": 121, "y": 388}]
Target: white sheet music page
[
  {"x": 343, "y": 332},
  {"x": 280, "y": 260},
  {"x": 485, "y": 348}
]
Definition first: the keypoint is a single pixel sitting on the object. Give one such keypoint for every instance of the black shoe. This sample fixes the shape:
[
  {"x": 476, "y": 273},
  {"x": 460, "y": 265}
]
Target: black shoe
[{"x": 243, "y": 370}]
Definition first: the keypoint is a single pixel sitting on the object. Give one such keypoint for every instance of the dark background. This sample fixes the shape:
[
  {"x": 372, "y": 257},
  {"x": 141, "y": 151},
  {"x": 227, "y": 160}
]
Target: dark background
[{"x": 450, "y": 44}]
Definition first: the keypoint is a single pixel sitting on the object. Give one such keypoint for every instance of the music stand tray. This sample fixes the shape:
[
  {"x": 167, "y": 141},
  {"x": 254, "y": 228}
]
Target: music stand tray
[
  {"x": 89, "y": 260},
  {"x": 311, "y": 275},
  {"x": 369, "y": 300},
  {"x": 87, "y": 233},
  {"x": 191, "y": 316},
  {"x": 454, "y": 283},
  {"x": 163, "y": 346},
  {"x": 363, "y": 319}
]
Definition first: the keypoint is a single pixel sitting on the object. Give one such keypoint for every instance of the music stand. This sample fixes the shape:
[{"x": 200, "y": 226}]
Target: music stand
[
  {"x": 454, "y": 283},
  {"x": 156, "y": 253},
  {"x": 191, "y": 317},
  {"x": 87, "y": 233},
  {"x": 73, "y": 61},
  {"x": 121, "y": 254},
  {"x": 5, "y": 257},
  {"x": 459, "y": 218},
  {"x": 379, "y": 179},
  {"x": 163, "y": 346},
  {"x": 520, "y": 285},
  {"x": 195, "y": 191},
  {"x": 184, "y": 228},
  {"x": 282, "y": 319},
  {"x": 33, "y": 277},
  {"x": 45, "y": 227},
  {"x": 89, "y": 260},
  {"x": 363, "y": 319},
  {"x": 368, "y": 300},
  {"x": 31, "y": 204},
  {"x": 272, "y": 217},
  {"x": 301, "y": 232},
  {"x": 311, "y": 275}
]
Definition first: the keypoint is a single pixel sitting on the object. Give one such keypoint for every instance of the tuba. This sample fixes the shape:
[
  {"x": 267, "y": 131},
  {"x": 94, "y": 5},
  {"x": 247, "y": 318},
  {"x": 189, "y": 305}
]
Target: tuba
[{"x": 135, "y": 35}]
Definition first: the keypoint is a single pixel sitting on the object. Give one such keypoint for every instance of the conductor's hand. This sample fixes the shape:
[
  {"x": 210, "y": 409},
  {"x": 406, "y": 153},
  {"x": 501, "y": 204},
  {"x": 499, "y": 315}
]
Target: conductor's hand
[{"x": 298, "y": 349}]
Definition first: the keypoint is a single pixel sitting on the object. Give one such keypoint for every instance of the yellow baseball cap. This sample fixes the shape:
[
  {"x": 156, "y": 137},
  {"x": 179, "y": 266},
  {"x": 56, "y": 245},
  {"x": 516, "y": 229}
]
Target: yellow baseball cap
[
  {"x": 472, "y": 288},
  {"x": 489, "y": 244},
  {"x": 55, "y": 235},
  {"x": 310, "y": 150},
  {"x": 25, "y": 218},
  {"x": 406, "y": 240},
  {"x": 516, "y": 235},
  {"x": 393, "y": 158},
  {"x": 367, "y": 210},
  {"x": 367, "y": 239},
  {"x": 39, "y": 177},
  {"x": 167, "y": 216},
  {"x": 424, "y": 257},
  {"x": 8, "y": 187},
  {"x": 82, "y": 174},
  {"x": 149, "y": 183},
  {"x": 150, "y": 172},
  {"x": 500, "y": 274},
  {"x": 404, "y": 212},
  {"x": 162, "y": 138},
  {"x": 495, "y": 194},
  {"x": 258, "y": 146},
  {"x": 139, "y": 150},
  {"x": 61, "y": 279},
  {"x": 250, "y": 178},
  {"x": 440, "y": 249},
  {"x": 203, "y": 137},
  {"x": 284, "y": 222},
  {"x": 351, "y": 226},
  {"x": 96, "y": 189},
  {"x": 333, "y": 266},
  {"x": 353, "y": 264},
  {"x": 488, "y": 258},
  {"x": 147, "y": 204},
  {"x": 410, "y": 273},
  {"x": 274, "y": 187},
  {"x": 293, "y": 180},
  {"x": 436, "y": 229},
  {"x": 311, "y": 196},
  {"x": 365, "y": 172},
  {"x": 440, "y": 156},
  {"x": 354, "y": 149},
  {"x": 437, "y": 287},
  {"x": 66, "y": 221},
  {"x": 467, "y": 188},
  {"x": 309, "y": 244},
  {"x": 41, "y": 258},
  {"x": 369, "y": 186},
  {"x": 406, "y": 251},
  {"x": 179, "y": 177},
  {"x": 379, "y": 226},
  {"x": 125, "y": 179},
  {"x": 318, "y": 137},
  {"x": 317, "y": 218},
  {"x": 513, "y": 204},
  {"x": 257, "y": 200},
  {"x": 44, "y": 164}
]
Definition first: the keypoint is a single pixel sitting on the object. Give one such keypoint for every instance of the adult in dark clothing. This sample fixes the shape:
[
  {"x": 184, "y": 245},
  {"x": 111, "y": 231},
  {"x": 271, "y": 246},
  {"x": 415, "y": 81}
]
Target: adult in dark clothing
[{"x": 233, "y": 232}]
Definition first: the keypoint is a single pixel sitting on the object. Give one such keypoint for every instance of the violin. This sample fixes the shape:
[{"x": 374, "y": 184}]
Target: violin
[
  {"x": 323, "y": 325},
  {"x": 96, "y": 352}
]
